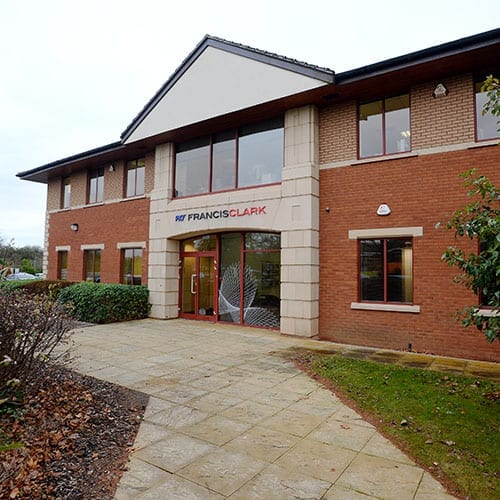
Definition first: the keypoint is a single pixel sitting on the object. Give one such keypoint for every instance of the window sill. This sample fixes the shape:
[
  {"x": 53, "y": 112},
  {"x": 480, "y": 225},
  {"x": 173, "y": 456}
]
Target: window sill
[
  {"x": 485, "y": 142},
  {"x": 488, "y": 313},
  {"x": 394, "y": 156},
  {"x": 367, "y": 306}
]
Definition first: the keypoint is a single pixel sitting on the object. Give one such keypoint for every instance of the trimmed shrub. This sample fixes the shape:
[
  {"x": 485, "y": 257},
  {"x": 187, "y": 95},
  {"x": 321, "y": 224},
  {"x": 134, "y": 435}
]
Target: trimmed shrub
[
  {"x": 50, "y": 288},
  {"x": 30, "y": 329},
  {"x": 106, "y": 303}
]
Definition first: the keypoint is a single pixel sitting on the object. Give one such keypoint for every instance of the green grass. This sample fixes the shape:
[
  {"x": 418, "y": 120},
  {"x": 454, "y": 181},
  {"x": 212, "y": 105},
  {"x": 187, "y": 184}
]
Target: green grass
[{"x": 443, "y": 419}]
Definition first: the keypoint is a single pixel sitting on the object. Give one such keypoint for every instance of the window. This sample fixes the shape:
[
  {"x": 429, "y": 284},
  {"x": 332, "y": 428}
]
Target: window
[
  {"x": 66, "y": 193},
  {"x": 249, "y": 156},
  {"x": 384, "y": 126},
  {"x": 488, "y": 288},
  {"x": 132, "y": 266},
  {"x": 62, "y": 265},
  {"x": 96, "y": 185},
  {"x": 135, "y": 177},
  {"x": 386, "y": 270},
  {"x": 487, "y": 126},
  {"x": 93, "y": 265}
]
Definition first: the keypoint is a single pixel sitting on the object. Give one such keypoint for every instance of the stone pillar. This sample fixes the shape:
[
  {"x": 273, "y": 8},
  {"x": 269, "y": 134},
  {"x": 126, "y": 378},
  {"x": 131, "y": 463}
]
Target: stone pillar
[
  {"x": 163, "y": 282},
  {"x": 300, "y": 235}
]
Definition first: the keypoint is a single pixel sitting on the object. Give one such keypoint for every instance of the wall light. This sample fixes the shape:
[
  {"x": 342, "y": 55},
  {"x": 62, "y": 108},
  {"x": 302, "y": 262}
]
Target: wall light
[
  {"x": 440, "y": 90},
  {"x": 74, "y": 227},
  {"x": 111, "y": 168}
]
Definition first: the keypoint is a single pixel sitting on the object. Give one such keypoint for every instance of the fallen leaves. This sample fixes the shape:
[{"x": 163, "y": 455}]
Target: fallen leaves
[{"x": 75, "y": 427}]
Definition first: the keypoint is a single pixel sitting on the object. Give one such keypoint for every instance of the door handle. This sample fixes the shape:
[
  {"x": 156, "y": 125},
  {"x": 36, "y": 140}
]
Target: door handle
[{"x": 193, "y": 276}]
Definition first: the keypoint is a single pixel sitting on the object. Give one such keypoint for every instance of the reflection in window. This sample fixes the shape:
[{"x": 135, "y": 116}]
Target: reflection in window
[
  {"x": 96, "y": 185},
  {"x": 135, "y": 177},
  {"x": 93, "y": 265},
  {"x": 132, "y": 266},
  {"x": 250, "y": 156},
  {"x": 62, "y": 265},
  {"x": 487, "y": 126},
  {"x": 260, "y": 154},
  {"x": 386, "y": 270},
  {"x": 192, "y": 167},
  {"x": 66, "y": 192},
  {"x": 223, "y": 161},
  {"x": 384, "y": 126},
  {"x": 249, "y": 290}
]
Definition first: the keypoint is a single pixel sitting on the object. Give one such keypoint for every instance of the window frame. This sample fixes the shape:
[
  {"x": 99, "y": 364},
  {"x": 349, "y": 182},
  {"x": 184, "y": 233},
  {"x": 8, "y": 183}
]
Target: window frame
[
  {"x": 122, "y": 266},
  {"x": 476, "y": 80},
  {"x": 66, "y": 193},
  {"x": 386, "y": 275},
  {"x": 60, "y": 257},
  {"x": 126, "y": 177},
  {"x": 93, "y": 252},
  {"x": 271, "y": 122},
  {"x": 98, "y": 174},
  {"x": 384, "y": 131}
]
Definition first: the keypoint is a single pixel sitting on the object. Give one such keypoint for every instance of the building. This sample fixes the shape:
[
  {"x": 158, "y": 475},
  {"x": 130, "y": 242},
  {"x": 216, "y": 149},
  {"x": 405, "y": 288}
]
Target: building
[{"x": 260, "y": 190}]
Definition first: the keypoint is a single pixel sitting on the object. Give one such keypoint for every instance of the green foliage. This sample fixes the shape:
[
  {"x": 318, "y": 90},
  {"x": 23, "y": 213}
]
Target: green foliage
[
  {"x": 480, "y": 272},
  {"x": 24, "y": 258},
  {"x": 30, "y": 330},
  {"x": 492, "y": 87},
  {"x": 106, "y": 303},
  {"x": 448, "y": 422}
]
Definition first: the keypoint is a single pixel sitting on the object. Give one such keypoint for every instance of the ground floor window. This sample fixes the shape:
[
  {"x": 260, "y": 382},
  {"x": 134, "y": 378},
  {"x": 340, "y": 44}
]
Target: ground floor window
[
  {"x": 93, "y": 265},
  {"x": 62, "y": 265},
  {"x": 386, "y": 270},
  {"x": 232, "y": 277},
  {"x": 132, "y": 266}
]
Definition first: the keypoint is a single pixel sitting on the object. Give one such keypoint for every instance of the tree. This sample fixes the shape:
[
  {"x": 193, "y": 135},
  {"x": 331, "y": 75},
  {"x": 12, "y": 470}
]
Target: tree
[{"x": 480, "y": 221}]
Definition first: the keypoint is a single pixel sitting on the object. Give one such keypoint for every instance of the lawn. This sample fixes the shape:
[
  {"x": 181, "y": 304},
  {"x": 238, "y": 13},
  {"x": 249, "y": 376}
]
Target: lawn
[{"x": 448, "y": 423}]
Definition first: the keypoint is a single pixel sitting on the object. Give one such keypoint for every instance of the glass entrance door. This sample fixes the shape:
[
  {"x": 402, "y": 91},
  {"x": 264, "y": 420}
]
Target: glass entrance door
[{"x": 198, "y": 286}]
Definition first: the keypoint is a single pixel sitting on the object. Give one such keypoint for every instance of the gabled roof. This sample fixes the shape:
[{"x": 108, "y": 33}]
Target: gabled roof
[{"x": 214, "y": 83}]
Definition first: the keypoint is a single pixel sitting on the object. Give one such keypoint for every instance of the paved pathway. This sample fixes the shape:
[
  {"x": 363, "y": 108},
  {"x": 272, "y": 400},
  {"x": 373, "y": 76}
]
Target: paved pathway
[{"x": 229, "y": 417}]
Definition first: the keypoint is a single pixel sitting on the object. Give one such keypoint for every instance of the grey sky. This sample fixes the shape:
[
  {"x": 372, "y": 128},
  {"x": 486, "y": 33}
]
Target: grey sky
[{"x": 75, "y": 73}]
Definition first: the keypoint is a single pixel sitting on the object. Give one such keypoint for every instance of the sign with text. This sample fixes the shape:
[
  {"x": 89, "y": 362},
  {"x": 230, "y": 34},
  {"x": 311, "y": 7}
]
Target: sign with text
[{"x": 221, "y": 214}]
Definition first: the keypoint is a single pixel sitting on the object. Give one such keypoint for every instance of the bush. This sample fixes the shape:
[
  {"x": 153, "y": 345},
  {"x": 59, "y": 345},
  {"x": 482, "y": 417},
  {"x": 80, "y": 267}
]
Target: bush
[
  {"x": 30, "y": 329},
  {"x": 104, "y": 303}
]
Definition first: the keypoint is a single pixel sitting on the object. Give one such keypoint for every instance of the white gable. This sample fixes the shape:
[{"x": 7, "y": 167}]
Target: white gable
[{"x": 219, "y": 82}]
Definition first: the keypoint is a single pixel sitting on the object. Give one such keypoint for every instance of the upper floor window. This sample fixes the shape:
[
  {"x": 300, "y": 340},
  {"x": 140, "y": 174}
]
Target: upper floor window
[
  {"x": 96, "y": 185},
  {"x": 386, "y": 270},
  {"x": 135, "y": 177},
  {"x": 66, "y": 193},
  {"x": 249, "y": 156},
  {"x": 384, "y": 126},
  {"x": 487, "y": 126}
]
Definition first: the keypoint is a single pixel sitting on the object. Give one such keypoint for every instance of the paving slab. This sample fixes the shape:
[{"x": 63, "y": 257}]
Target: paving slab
[{"x": 229, "y": 416}]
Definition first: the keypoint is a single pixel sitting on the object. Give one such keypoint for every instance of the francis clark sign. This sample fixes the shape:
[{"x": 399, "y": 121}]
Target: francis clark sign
[{"x": 221, "y": 214}]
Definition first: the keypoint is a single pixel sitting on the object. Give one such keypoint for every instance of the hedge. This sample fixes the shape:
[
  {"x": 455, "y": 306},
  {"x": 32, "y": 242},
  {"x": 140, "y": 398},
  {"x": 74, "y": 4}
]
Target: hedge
[
  {"x": 106, "y": 303},
  {"x": 49, "y": 288}
]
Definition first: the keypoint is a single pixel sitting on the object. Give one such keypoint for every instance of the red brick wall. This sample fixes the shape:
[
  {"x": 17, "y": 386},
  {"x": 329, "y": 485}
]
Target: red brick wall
[
  {"x": 421, "y": 191},
  {"x": 109, "y": 224}
]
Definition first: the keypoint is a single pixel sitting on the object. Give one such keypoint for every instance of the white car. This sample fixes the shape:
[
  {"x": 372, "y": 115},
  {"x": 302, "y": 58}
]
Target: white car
[{"x": 21, "y": 276}]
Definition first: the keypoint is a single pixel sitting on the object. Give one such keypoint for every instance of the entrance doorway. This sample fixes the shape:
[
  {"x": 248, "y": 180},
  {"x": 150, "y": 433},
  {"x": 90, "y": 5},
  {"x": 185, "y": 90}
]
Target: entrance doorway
[
  {"x": 231, "y": 277},
  {"x": 198, "y": 286}
]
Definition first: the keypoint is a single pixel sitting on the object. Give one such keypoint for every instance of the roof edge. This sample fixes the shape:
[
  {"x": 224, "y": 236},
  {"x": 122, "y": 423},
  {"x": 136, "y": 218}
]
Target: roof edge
[
  {"x": 324, "y": 74},
  {"x": 114, "y": 146},
  {"x": 437, "y": 51}
]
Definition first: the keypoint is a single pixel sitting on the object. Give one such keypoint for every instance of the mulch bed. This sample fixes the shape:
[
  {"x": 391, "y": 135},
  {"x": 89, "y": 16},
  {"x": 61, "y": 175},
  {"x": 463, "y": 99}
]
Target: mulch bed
[{"x": 76, "y": 432}]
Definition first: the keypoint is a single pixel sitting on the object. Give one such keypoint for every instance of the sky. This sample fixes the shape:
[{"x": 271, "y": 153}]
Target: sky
[{"x": 73, "y": 74}]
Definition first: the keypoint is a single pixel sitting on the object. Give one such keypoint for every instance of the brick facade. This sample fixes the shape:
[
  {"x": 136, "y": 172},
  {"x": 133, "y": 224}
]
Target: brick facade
[
  {"x": 109, "y": 225},
  {"x": 326, "y": 198},
  {"x": 420, "y": 191}
]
